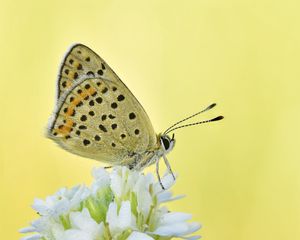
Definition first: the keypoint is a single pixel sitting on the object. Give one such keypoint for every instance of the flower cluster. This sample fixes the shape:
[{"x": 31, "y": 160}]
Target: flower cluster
[{"x": 120, "y": 204}]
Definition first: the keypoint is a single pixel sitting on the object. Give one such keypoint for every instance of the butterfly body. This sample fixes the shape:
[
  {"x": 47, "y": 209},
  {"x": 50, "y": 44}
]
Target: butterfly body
[{"x": 97, "y": 116}]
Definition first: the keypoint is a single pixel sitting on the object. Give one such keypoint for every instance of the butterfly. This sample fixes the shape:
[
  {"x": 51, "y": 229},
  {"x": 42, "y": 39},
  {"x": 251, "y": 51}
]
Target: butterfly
[{"x": 98, "y": 117}]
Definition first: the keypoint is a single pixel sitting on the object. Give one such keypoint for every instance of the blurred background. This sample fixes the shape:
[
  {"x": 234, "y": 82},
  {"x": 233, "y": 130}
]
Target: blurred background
[{"x": 240, "y": 175}]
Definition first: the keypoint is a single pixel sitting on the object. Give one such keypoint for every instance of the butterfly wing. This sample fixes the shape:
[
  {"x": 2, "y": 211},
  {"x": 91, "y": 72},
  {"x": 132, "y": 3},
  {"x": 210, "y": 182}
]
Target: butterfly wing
[
  {"x": 101, "y": 119},
  {"x": 80, "y": 61}
]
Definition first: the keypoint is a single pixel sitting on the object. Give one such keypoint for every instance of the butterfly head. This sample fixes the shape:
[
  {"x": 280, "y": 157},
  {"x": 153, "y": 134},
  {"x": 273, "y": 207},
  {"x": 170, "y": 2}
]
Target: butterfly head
[{"x": 167, "y": 142}]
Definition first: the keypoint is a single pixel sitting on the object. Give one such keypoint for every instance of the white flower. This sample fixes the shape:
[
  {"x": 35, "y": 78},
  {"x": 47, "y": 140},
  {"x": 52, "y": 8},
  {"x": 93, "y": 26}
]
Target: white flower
[
  {"x": 119, "y": 221},
  {"x": 61, "y": 202},
  {"x": 83, "y": 227},
  {"x": 122, "y": 204}
]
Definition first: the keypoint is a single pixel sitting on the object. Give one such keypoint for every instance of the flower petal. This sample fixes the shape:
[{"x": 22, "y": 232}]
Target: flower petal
[
  {"x": 81, "y": 194},
  {"x": 167, "y": 196},
  {"x": 74, "y": 234},
  {"x": 102, "y": 179},
  {"x": 33, "y": 237},
  {"x": 193, "y": 227},
  {"x": 83, "y": 221},
  {"x": 177, "y": 229},
  {"x": 125, "y": 215},
  {"x": 139, "y": 236},
  {"x": 40, "y": 206},
  {"x": 27, "y": 230},
  {"x": 175, "y": 217},
  {"x": 111, "y": 216},
  {"x": 116, "y": 184},
  {"x": 167, "y": 181}
]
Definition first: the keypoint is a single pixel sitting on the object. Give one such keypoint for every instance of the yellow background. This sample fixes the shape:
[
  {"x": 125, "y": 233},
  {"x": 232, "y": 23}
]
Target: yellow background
[{"x": 241, "y": 175}]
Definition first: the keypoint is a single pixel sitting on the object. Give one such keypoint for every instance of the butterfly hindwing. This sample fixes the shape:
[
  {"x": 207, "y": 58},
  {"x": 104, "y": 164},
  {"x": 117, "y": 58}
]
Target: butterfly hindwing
[{"x": 101, "y": 119}]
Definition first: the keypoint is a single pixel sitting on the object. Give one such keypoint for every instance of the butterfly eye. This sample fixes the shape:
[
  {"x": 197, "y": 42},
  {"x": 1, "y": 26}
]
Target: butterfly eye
[{"x": 166, "y": 143}]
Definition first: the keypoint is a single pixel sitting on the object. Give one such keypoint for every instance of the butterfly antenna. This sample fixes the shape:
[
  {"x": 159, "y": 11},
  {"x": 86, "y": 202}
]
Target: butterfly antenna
[
  {"x": 183, "y": 120},
  {"x": 196, "y": 123}
]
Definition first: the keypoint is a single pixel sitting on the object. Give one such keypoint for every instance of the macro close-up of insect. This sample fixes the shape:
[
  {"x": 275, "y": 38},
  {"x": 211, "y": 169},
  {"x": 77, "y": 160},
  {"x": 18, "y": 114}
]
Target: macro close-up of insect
[
  {"x": 98, "y": 117},
  {"x": 150, "y": 120}
]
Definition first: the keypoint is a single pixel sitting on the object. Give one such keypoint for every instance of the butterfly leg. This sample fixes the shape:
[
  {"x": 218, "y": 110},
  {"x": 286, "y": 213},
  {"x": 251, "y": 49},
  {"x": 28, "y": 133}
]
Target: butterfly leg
[
  {"x": 168, "y": 165},
  {"x": 158, "y": 175}
]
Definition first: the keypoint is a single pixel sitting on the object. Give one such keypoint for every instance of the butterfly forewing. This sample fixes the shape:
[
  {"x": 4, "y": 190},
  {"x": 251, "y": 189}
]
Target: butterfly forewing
[
  {"x": 80, "y": 61},
  {"x": 101, "y": 119}
]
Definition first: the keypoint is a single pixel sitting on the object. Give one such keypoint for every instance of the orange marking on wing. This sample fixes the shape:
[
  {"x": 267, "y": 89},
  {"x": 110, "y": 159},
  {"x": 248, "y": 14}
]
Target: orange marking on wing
[
  {"x": 69, "y": 83},
  {"x": 69, "y": 123},
  {"x": 64, "y": 130},
  {"x": 75, "y": 102},
  {"x": 84, "y": 94},
  {"x": 91, "y": 91},
  {"x": 67, "y": 128},
  {"x": 70, "y": 111}
]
